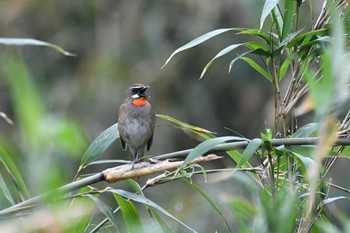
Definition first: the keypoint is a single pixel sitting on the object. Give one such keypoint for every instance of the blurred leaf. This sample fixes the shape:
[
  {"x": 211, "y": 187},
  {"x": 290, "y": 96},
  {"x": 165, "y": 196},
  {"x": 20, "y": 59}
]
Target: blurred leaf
[
  {"x": 243, "y": 212},
  {"x": 88, "y": 204},
  {"x": 250, "y": 150},
  {"x": 12, "y": 169},
  {"x": 268, "y": 7},
  {"x": 205, "y": 146},
  {"x": 198, "y": 41},
  {"x": 99, "y": 145},
  {"x": 333, "y": 199},
  {"x": 147, "y": 202},
  {"x": 34, "y": 42},
  {"x": 5, "y": 117},
  {"x": 6, "y": 191},
  {"x": 258, "y": 68},
  {"x": 161, "y": 223},
  {"x": 307, "y": 130},
  {"x": 195, "y": 129},
  {"x": 221, "y": 53},
  {"x": 283, "y": 206},
  {"x": 28, "y": 103},
  {"x": 109, "y": 161},
  {"x": 106, "y": 210},
  {"x": 304, "y": 162},
  {"x": 209, "y": 200},
  {"x": 130, "y": 214},
  {"x": 266, "y": 136}
]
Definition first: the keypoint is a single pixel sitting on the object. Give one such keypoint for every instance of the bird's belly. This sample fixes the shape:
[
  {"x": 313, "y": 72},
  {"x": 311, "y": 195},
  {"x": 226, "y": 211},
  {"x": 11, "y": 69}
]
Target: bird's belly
[{"x": 137, "y": 133}]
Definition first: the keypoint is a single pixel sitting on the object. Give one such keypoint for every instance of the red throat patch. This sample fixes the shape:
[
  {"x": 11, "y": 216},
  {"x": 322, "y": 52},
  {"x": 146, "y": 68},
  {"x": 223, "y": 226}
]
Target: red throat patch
[{"x": 140, "y": 101}]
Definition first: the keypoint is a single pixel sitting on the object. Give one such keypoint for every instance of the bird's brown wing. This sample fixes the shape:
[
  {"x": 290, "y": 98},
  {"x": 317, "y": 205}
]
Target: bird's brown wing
[
  {"x": 123, "y": 144},
  {"x": 149, "y": 142}
]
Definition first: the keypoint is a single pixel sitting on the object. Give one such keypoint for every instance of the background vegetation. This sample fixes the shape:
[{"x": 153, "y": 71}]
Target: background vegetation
[{"x": 282, "y": 56}]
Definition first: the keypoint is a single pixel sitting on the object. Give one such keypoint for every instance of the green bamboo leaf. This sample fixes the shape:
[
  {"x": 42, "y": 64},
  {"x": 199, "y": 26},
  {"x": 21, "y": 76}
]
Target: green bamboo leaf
[
  {"x": 285, "y": 66},
  {"x": 149, "y": 203},
  {"x": 254, "y": 32},
  {"x": 161, "y": 223},
  {"x": 238, "y": 58},
  {"x": 130, "y": 214},
  {"x": 205, "y": 146},
  {"x": 6, "y": 191},
  {"x": 33, "y": 42},
  {"x": 99, "y": 145},
  {"x": 134, "y": 185},
  {"x": 106, "y": 210},
  {"x": 197, "y": 41},
  {"x": 209, "y": 200},
  {"x": 268, "y": 7},
  {"x": 12, "y": 169},
  {"x": 249, "y": 151},
  {"x": 277, "y": 21},
  {"x": 220, "y": 54},
  {"x": 289, "y": 11},
  {"x": 307, "y": 130},
  {"x": 257, "y": 67},
  {"x": 258, "y": 48},
  {"x": 303, "y": 161},
  {"x": 195, "y": 129},
  {"x": 307, "y": 37}
]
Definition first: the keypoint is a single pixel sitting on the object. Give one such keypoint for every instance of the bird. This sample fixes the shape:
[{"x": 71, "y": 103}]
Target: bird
[{"x": 136, "y": 121}]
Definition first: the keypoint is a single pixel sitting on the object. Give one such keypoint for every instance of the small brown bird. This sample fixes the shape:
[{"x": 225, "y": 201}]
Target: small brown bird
[{"x": 136, "y": 122}]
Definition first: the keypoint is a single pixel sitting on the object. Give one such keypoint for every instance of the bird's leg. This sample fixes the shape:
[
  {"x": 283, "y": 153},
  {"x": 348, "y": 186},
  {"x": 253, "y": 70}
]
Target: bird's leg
[{"x": 134, "y": 158}]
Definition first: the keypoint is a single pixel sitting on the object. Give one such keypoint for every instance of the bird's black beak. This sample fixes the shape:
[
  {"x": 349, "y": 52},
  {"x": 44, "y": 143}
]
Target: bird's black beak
[{"x": 142, "y": 92}]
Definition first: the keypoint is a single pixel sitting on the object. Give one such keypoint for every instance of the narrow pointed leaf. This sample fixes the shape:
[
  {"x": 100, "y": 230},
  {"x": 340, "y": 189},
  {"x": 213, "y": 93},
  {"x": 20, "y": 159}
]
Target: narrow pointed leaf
[
  {"x": 197, "y": 41},
  {"x": 238, "y": 58},
  {"x": 205, "y": 146},
  {"x": 195, "y": 129},
  {"x": 106, "y": 210},
  {"x": 99, "y": 145},
  {"x": 130, "y": 214},
  {"x": 257, "y": 67},
  {"x": 254, "y": 32},
  {"x": 16, "y": 176},
  {"x": 306, "y": 131},
  {"x": 268, "y": 7},
  {"x": 333, "y": 199},
  {"x": 250, "y": 150},
  {"x": 290, "y": 6},
  {"x": 220, "y": 54},
  {"x": 162, "y": 224},
  {"x": 149, "y": 203},
  {"x": 134, "y": 185},
  {"x": 34, "y": 42},
  {"x": 6, "y": 191},
  {"x": 209, "y": 200},
  {"x": 285, "y": 66}
]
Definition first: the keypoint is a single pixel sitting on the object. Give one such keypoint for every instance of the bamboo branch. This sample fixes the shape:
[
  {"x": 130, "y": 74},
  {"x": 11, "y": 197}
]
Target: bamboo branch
[{"x": 111, "y": 175}]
